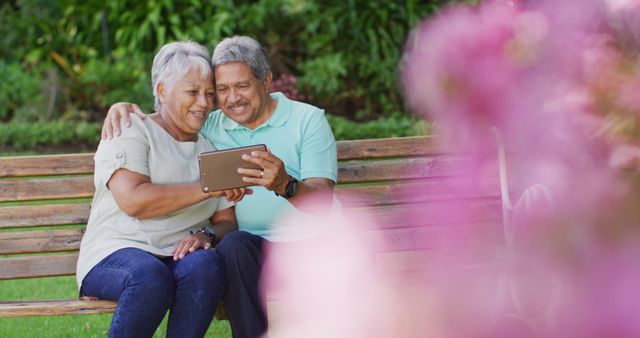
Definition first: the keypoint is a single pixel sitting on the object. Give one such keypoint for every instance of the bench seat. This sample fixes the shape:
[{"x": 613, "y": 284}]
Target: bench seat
[{"x": 45, "y": 204}]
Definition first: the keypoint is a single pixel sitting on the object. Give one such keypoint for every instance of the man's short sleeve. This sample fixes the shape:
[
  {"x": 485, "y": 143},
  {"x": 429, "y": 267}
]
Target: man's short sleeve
[
  {"x": 318, "y": 156},
  {"x": 129, "y": 151}
]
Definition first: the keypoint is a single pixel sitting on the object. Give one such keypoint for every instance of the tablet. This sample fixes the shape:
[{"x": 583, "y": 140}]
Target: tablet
[{"x": 219, "y": 168}]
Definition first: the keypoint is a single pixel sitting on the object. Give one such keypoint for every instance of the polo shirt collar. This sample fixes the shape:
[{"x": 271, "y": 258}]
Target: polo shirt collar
[{"x": 278, "y": 118}]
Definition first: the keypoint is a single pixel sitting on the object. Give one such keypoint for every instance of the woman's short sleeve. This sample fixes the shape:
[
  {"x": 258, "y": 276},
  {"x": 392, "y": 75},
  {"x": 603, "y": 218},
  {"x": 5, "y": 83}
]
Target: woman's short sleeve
[{"x": 128, "y": 151}]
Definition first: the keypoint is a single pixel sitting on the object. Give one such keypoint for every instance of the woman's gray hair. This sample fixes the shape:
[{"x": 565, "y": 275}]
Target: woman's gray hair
[
  {"x": 242, "y": 49},
  {"x": 174, "y": 61}
]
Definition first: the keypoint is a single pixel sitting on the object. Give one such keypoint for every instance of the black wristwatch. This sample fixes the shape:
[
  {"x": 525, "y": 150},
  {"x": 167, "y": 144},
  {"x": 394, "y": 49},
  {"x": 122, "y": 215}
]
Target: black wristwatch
[
  {"x": 291, "y": 188},
  {"x": 210, "y": 233}
]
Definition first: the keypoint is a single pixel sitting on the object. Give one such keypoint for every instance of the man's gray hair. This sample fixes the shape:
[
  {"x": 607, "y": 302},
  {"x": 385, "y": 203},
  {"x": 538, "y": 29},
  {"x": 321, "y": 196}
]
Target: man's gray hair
[
  {"x": 174, "y": 61},
  {"x": 242, "y": 49}
]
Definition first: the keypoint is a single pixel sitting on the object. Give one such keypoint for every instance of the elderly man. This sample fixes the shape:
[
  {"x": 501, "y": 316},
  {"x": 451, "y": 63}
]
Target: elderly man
[{"x": 301, "y": 164}]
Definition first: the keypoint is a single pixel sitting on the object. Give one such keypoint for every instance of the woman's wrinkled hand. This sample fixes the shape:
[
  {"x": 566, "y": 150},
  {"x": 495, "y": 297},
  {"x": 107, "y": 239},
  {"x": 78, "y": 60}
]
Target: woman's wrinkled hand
[
  {"x": 191, "y": 243},
  {"x": 232, "y": 195}
]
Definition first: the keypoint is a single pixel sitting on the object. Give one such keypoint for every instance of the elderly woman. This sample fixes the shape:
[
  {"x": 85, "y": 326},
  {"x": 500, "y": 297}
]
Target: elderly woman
[{"x": 148, "y": 236}]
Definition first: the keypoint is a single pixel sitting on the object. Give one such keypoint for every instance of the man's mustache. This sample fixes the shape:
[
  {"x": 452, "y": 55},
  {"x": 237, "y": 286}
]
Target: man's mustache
[{"x": 235, "y": 105}]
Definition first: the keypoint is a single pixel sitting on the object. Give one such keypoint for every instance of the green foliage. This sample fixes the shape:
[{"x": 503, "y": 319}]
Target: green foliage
[
  {"x": 28, "y": 29},
  {"x": 71, "y": 59},
  {"x": 17, "y": 89},
  {"x": 371, "y": 36},
  {"x": 21, "y": 135},
  {"x": 393, "y": 126},
  {"x": 100, "y": 83},
  {"x": 332, "y": 67}
]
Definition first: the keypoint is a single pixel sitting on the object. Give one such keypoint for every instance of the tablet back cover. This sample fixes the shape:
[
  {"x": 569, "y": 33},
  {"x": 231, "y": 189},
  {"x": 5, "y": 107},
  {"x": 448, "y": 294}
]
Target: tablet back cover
[{"x": 218, "y": 169}]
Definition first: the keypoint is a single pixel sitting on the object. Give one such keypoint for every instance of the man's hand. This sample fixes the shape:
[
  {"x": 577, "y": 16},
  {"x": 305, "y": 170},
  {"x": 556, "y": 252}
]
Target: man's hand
[
  {"x": 190, "y": 244},
  {"x": 273, "y": 175},
  {"x": 119, "y": 110}
]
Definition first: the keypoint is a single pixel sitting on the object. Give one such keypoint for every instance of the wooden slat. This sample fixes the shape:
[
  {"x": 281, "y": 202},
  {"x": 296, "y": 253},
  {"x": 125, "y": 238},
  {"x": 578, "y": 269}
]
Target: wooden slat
[
  {"x": 415, "y": 191},
  {"x": 386, "y": 194},
  {"x": 41, "y": 215},
  {"x": 387, "y": 147},
  {"x": 59, "y": 307},
  {"x": 38, "y": 266},
  {"x": 40, "y": 241},
  {"x": 55, "y": 307},
  {"x": 423, "y": 237},
  {"x": 431, "y": 213},
  {"x": 78, "y": 213},
  {"x": 409, "y": 168},
  {"x": 82, "y": 186},
  {"x": 434, "y": 260},
  {"x": 49, "y": 188},
  {"x": 431, "y": 237},
  {"x": 43, "y": 165}
]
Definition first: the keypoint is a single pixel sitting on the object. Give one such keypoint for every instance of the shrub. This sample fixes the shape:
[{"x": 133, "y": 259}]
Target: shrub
[
  {"x": 20, "y": 136},
  {"x": 19, "y": 89},
  {"x": 344, "y": 54},
  {"x": 393, "y": 126},
  {"x": 100, "y": 83}
]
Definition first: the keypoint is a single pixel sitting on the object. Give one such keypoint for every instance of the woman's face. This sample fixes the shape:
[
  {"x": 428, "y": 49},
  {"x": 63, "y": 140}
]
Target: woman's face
[{"x": 188, "y": 102}]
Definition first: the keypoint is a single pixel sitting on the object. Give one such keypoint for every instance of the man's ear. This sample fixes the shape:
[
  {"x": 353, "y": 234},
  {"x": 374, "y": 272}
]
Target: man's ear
[{"x": 267, "y": 81}]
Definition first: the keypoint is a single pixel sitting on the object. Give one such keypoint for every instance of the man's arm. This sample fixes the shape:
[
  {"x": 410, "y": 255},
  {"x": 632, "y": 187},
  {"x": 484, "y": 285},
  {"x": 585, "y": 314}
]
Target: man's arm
[
  {"x": 120, "y": 110},
  {"x": 318, "y": 165},
  {"x": 274, "y": 177},
  {"x": 223, "y": 222}
]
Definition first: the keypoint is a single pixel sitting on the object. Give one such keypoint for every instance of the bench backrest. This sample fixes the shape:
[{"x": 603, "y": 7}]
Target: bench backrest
[{"x": 45, "y": 203}]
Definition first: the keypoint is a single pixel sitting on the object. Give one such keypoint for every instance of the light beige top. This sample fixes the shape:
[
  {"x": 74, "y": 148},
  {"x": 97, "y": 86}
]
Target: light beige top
[{"x": 147, "y": 149}]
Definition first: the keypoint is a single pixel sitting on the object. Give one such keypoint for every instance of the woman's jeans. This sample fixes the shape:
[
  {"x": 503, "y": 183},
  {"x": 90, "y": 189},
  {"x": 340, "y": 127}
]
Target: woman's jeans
[{"x": 146, "y": 286}]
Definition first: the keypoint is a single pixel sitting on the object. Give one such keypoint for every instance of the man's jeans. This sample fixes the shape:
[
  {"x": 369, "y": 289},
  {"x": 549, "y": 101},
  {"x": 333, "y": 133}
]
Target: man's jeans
[
  {"x": 146, "y": 286},
  {"x": 242, "y": 256}
]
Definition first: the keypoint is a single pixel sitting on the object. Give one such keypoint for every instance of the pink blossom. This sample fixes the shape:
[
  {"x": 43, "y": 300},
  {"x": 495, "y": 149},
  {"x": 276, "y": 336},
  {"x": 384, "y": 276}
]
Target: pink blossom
[{"x": 557, "y": 79}]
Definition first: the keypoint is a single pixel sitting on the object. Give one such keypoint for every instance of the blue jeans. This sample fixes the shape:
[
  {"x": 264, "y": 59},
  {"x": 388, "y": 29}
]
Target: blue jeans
[
  {"x": 146, "y": 286},
  {"x": 242, "y": 256}
]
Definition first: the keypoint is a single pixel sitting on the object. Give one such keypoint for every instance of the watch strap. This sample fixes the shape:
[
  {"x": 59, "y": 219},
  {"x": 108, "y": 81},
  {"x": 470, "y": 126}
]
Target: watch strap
[
  {"x": 291, "y": 189},
  {"x": 209, "y": 232}
]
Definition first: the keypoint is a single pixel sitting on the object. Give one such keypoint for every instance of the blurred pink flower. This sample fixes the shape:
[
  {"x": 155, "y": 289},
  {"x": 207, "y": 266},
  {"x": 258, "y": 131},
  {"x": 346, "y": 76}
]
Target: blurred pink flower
[
  {"x": 558, "y": 79},
  {"x": 458, "y": 66}
]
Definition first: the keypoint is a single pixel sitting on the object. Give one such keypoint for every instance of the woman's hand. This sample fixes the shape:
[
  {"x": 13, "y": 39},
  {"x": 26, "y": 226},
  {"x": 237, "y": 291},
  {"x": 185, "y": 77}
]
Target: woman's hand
[
  {"x": 191, "y": 243},
  {"x": 232, "y": 195}
]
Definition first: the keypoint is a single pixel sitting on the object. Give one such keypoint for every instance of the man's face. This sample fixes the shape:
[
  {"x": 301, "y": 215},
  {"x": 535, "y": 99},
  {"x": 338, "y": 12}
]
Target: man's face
[{"x": 240, "y": 95}]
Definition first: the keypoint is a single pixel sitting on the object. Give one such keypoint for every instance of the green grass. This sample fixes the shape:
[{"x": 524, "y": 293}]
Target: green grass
[{"x": 66, "y": 326}]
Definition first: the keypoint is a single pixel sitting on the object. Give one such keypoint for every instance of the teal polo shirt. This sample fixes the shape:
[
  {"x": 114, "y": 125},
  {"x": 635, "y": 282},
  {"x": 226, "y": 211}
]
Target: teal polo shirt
[{"x": 298, "y": 134}]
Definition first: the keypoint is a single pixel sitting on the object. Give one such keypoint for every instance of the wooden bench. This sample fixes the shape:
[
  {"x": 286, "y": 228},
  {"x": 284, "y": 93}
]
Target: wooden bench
[{"x": 45, "y": 204}]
